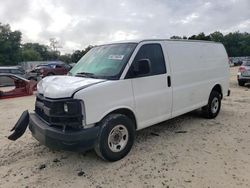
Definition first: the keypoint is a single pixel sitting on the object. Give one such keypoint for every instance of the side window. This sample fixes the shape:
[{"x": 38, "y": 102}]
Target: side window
[
  {"x": 4, "y": 71},
  {"x": 154, "y": 53},
  {"x": 59, "y": 66},
  {"x": 66, "y": 66},
  {"x": 15, "y": 71}
]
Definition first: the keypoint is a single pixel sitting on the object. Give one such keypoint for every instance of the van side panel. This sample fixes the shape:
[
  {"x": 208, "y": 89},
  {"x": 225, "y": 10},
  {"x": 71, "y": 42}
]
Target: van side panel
[
  {"x": 196, "y": 68},
  {"x": 103, "y": 98}
]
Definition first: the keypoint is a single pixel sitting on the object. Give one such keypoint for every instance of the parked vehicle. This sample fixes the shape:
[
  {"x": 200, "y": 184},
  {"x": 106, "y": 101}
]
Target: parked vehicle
[
  {"x": 43, "y": 70},
  {"x": 243, "y": 75},
  {"x": 27, "y": 66},
  {"x": 23, "y": 87},
  {"x": 119, "y": 88},
  {"x": 15, "y": 70},
  {"x": 238, "y": 63},
  {"x": 72, "y": 65}
]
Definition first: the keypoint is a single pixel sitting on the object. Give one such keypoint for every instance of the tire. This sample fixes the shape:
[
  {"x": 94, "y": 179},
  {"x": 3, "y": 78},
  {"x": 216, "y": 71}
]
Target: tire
[
  {"x": 241, "y": 83},
  {"x": 116, "y": 137},
  {"x": 212, "y": 109}
]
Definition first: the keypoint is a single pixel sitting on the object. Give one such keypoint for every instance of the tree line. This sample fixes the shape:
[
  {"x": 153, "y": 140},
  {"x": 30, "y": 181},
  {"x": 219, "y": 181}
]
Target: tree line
[
  {"x": 12, "y": 50},
  {"x": 237, "y": 44}
]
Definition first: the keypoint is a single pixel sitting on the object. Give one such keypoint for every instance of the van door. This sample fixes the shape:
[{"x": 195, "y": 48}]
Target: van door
[{"x": 152, "y": 92}]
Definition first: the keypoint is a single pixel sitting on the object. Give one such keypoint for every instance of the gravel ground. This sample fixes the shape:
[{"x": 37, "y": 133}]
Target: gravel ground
[{"x": 187, "y": 151}]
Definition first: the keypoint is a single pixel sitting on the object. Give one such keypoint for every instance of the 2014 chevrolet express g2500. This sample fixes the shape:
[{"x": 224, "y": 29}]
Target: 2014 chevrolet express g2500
[{"x": 116, "y": 89}]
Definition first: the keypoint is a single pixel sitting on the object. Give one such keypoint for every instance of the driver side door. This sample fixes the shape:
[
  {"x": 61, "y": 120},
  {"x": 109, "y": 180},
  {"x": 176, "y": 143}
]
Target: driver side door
[{"x": 152, "y": 92}]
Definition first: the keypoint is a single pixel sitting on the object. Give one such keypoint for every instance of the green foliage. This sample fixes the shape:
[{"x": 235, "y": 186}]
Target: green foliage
[
  {"x": 41, "y": 49},
  {"x": 237, "y": 44},
  {"x": 77, "y": 55},
  {"x": 200, "y": 36},
  {"x": 30, "y": 55},
  {"x": 217, "y": 36},
  {"x": 10, "y": 43},
  {"x": 175, "y": 37},
  {"x": 65, "y": 58}
]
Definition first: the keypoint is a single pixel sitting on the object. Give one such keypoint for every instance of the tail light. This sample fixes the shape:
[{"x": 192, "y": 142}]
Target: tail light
[{"x": 242, "y": 69}]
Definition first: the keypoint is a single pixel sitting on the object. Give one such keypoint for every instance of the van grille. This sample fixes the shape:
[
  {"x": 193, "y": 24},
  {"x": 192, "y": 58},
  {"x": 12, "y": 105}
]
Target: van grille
[{"x": 52, "y": 112}]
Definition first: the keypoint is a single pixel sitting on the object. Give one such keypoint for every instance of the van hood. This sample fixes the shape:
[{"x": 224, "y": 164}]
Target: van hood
[{"x": 64, "y": 86}]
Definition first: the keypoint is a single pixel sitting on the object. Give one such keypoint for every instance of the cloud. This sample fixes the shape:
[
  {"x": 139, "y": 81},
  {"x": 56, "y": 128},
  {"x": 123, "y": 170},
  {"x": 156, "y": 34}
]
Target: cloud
[{"x": 79, "y": 23}]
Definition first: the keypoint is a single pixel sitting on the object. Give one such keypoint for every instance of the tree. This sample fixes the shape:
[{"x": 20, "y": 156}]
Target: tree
[
  {"x": 54, "y": 45},
  {"x": 175, "y": 37},
  {"x": 232, "y": 44},
  {"x": 43, "y": 50},
  {"x": 217, "y": 36},
  {"x": 77, "y": 55},
  {"x": 30, "y": 55},
  {"x": 10, "y": 42},
  {"x": 200, "y": 36},
  {"x": 65, "y": 58}
]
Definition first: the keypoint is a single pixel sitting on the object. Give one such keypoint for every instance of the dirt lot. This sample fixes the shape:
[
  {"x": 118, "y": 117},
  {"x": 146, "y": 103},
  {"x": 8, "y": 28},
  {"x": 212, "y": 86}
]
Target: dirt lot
[{"x": 209, "y": 153}]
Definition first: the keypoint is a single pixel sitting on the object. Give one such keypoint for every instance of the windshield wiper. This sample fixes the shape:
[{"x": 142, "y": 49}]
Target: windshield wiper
[{"x": 86, "y": 74}]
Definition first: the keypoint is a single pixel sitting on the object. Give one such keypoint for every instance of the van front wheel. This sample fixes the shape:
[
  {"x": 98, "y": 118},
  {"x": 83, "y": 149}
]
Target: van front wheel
[
  {"x": 116, "y": 137},
  {"x": 212, "y": 109}
]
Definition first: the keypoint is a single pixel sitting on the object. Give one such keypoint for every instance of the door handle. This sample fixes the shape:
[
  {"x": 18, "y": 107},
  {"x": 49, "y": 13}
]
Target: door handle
[{"x": 169, "y": 81}]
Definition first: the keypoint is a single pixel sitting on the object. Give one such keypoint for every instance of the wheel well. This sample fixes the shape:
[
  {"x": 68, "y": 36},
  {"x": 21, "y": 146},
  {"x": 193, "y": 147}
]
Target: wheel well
[
  {"x": 217, "y": 88},
  {"x": 127, "y": 113}
]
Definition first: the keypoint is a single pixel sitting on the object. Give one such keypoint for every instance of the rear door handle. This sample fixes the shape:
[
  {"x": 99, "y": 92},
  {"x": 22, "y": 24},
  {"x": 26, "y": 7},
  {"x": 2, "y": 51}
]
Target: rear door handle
[{"x": 169, "y": 81}]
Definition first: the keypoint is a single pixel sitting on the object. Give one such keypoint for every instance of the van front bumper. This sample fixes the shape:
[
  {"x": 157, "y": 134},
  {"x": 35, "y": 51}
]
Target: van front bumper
[{"x": 81, "y": 140}]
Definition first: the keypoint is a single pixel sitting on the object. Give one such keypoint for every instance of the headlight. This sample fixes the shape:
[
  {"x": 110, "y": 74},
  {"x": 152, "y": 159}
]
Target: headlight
[
  {"x": 72, "y": 107},
  {"x": 39, "y": 86},
  {"x": 65, "y": 107},
  {"x": 83, "y": 114}
]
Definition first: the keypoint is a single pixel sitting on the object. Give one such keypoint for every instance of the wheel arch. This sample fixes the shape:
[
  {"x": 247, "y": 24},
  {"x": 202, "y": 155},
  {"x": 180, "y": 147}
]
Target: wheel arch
[
  {"x": 50, "y": 73},
  {"x": 125, "y": 111},
  {"x": 218, "y": 88}
]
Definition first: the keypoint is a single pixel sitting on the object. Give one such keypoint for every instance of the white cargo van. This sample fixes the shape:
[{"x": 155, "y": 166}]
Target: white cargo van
[{"x": 119, "y": 88}]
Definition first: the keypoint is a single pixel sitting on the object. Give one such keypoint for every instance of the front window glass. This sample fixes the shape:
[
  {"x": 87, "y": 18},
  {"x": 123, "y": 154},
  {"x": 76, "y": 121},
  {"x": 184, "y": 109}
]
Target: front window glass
[
  {"x": 152, "y": 52},
  {"x": 107, "y": 61}
]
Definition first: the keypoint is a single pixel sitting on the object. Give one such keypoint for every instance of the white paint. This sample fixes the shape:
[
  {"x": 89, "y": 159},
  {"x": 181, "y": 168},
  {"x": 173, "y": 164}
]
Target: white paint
[
  {"x": 63, "y": 86},
  {"x": 195, "y": 68}
]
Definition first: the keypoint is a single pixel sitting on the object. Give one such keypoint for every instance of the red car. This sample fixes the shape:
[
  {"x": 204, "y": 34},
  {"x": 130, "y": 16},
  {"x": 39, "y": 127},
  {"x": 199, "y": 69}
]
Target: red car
[{"x": 50, "y": 69}]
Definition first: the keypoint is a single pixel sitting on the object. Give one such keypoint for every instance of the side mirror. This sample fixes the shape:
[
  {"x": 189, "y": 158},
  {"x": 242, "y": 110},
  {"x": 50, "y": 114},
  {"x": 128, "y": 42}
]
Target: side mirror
[{"x": 141, "y": 67}]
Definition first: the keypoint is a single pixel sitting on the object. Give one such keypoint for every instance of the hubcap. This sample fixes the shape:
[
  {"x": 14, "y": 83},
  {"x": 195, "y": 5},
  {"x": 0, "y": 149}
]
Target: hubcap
[
  {"x": 215, "y": 105},
  {"x": 118, "y": 138}
]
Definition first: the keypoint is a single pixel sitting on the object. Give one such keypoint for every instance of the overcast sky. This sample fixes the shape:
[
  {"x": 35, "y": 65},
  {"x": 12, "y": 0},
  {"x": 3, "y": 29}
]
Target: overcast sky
[{"x": 78, "y": 23}]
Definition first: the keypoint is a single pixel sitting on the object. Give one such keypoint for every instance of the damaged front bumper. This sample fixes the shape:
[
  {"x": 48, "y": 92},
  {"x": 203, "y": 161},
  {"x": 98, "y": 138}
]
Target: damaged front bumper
[{"x": 55, "y": 138}]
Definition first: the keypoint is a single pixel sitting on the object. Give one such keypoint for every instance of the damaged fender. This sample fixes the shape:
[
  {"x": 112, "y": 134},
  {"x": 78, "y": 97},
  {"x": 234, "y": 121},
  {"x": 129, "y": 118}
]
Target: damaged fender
[
  {"x": 20, "y": 126},
  {"x": 23, "y": 87}
]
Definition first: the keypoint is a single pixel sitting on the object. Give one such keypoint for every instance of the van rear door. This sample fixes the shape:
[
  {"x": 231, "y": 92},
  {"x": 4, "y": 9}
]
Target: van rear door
[{"x": 152, "y": 92}]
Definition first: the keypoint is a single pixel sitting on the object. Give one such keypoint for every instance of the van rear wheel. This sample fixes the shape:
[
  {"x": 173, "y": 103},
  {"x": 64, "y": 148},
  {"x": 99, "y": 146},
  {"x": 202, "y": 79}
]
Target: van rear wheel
[
  {"x": 116, "y": 137},
  {"x": 212, "y": 109}
]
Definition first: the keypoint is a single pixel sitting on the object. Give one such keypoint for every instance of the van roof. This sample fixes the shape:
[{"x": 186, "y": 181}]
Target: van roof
[{"x": 148, "y": 40}]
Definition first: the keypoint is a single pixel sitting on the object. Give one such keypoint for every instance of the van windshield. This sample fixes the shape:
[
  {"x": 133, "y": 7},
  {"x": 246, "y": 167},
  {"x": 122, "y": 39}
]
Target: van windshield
[{"x": 104, "y": 62}]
